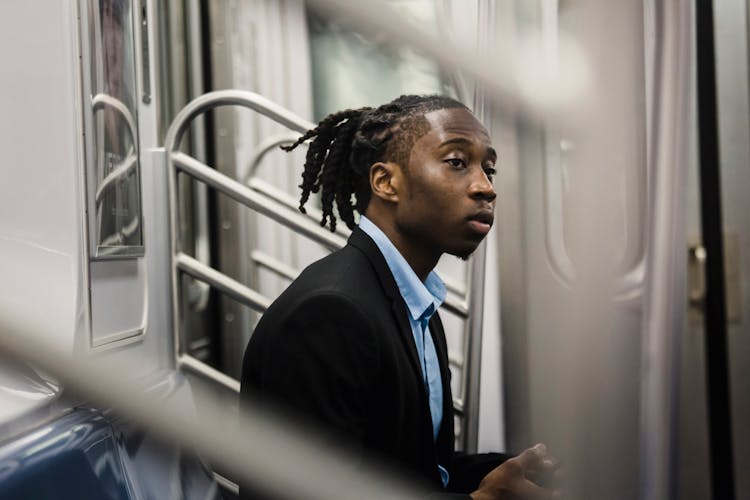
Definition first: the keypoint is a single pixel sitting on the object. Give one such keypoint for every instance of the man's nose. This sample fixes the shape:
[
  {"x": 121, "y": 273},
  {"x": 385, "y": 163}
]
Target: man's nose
[{"x": 481, "y": 187}]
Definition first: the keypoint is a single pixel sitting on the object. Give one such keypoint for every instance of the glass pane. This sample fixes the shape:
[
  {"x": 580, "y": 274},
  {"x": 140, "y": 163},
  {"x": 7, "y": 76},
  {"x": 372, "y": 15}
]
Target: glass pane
[
  {"x": 350, "y": 70},
  {"x": 113, "y": 84}
]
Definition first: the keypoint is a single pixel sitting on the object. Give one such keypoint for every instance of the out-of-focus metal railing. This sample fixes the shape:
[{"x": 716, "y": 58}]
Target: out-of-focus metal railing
[
  {"x": 280, "y": 207},
  {"x": 664, "y": 309},
  {"x": 228, "y": 443}
]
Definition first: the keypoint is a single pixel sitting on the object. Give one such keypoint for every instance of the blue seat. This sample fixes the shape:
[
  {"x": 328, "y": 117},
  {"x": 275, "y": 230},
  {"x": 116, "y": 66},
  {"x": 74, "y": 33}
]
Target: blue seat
[{"x": 88, "y": 454}]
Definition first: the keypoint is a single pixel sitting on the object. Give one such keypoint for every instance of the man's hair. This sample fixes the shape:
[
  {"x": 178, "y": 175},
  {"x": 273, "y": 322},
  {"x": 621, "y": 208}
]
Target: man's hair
[{"x": 348, "y": 142}]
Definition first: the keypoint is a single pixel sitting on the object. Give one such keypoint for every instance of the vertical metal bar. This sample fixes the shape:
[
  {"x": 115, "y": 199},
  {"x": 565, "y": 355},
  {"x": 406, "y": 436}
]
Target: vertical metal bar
[
  {"x": 473, "y": 362},
  {"x": 174, "y": 249},
  {"x": 665, "y": 304},
  {"x": 145, "y": 59},
  {"x": 195, "y": 70},
  {"x": 715, "y": 321},
  {"x": 198, "y": 127},
  {"x": 195, "y": 88}
]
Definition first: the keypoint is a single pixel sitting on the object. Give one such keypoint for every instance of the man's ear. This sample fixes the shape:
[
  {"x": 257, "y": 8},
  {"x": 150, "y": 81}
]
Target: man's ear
[{"x": 386, "y": 180}]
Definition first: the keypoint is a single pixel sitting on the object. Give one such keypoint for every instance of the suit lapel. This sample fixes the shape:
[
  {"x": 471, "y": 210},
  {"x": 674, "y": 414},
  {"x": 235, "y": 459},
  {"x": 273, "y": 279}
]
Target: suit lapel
[
  {"x": 360, "y": 240},
  {"x": 445, "y": 435},
  {"x": 438, "y": 338}
]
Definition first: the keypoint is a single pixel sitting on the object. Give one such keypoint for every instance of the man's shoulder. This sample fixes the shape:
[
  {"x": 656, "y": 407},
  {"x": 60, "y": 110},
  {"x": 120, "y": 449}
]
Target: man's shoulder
[
  {"x": 345, "y": 272},
  {"x": 345, "y": 277},
  {"x": 339, "y": 293}
]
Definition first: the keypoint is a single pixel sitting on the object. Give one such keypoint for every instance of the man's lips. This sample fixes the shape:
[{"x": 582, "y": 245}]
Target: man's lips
[{"x": 481, "y": 222}]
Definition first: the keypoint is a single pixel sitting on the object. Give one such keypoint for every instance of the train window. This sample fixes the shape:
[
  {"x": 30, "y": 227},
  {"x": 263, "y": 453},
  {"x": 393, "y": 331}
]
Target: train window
[
  {"x": 350, "y": 70},
  {"x": 114, "y": 179}
]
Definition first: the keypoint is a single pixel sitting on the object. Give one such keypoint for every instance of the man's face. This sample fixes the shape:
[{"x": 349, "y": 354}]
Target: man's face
[{"x": 447, "y": 200}]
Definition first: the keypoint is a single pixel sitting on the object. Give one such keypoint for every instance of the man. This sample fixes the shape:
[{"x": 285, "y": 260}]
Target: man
[{"x": 355, "y": 343}]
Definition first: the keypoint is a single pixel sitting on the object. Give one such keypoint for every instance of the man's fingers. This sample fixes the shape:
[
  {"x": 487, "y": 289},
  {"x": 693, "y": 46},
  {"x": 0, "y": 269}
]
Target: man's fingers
[
  {"x": 532, "y": 457},
  {"x": 529, "y": 490}
]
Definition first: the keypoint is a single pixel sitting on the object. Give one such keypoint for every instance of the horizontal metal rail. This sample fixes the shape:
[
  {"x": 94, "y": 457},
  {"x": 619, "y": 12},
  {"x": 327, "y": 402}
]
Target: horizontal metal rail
[
  {"x": 264, "y": 148},
  {"x": 457, "y": 288},
  {"x": 457, "y": 306},
  {"x": 281, "y": 196},
  {"x": 276, "y": 266},
  {"x": 198, "y": 367},
  {"x": 242, "y": 98},
  {"x": 457, "y": 361},
  {"x": 458, "y": 407},
  {"x": 254, "y": 200},
  {"x": 225, "y": 483},
  {"x": 222, "y": 282}
]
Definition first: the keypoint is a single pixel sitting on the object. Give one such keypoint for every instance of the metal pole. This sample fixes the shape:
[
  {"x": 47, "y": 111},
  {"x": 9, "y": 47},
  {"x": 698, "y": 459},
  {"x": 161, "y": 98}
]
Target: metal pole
[
  {"x": 665, "y": 301},
  {"x": 473, "y": 363}
]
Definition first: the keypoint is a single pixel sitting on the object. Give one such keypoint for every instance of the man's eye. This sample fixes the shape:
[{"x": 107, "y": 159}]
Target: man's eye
[
  {"x": 490, "y": 172},
  {"x": 456, "y": 162}
]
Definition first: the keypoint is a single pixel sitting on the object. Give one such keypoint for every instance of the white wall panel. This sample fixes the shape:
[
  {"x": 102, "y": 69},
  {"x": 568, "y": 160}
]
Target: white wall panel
[{"x": 41, "y": 239}]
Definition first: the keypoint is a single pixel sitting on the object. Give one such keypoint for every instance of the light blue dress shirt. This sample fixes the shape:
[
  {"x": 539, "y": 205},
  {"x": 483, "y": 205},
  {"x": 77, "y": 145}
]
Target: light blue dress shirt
[{"x": 422, "y": 300}]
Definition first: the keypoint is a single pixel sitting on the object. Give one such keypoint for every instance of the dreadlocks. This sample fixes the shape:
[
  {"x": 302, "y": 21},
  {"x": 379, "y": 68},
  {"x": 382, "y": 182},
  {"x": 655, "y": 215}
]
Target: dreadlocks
[{"x": 345, "y": 144}]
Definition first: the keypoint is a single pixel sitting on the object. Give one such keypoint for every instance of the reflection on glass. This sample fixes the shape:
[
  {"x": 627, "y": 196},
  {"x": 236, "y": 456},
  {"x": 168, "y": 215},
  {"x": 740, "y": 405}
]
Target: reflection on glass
[
  {"x": 118, "y": 214},
  {"x": 350, "y": 70}
]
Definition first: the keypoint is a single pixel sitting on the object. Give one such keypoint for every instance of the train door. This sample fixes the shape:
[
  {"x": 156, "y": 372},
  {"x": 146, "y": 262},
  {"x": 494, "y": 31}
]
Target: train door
[
  {"x": 716, "y": 394},
  {"x": 579, "y": 217},
  {"x": 574, "y": 225},
  {"x": 733, "y": 68}
]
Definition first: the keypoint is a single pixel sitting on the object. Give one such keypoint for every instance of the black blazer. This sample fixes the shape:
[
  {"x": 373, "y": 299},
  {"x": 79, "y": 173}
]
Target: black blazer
[{"x": 337, "y": 347}]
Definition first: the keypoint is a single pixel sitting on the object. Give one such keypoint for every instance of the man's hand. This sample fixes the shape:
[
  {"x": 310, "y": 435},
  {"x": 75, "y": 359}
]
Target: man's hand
[{"x": 520, "y": 477}]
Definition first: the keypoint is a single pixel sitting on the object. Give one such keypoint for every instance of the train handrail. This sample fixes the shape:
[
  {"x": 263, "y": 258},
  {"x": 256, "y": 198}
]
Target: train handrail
[
  {"x": 219, "y": 98},
  {"x": 263, "y": 149},
  {"x": 254, "y": 200}
]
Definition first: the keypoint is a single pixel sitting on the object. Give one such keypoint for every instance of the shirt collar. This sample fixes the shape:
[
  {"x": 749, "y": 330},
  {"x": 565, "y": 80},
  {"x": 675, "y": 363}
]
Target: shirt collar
[{"x": 422, "y": 299}]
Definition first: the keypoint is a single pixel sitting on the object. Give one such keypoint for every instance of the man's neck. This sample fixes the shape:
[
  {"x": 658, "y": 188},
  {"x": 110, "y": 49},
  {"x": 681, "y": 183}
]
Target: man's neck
[{"x": 420, "y": 259}]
